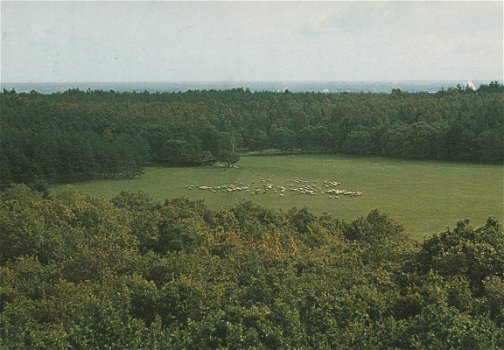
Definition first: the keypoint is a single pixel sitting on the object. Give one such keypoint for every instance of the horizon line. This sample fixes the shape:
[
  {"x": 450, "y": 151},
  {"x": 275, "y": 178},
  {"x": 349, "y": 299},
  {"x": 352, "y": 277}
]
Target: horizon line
[{"x": 239, "y": 81}]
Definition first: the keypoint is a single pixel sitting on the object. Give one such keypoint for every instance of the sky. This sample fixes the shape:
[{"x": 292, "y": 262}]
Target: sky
[{"x": 250, "y": 41}]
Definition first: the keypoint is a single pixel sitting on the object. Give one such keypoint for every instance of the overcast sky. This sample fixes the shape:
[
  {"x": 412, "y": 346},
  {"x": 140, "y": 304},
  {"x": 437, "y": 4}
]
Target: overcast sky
[{"x": 244, "y": 41}]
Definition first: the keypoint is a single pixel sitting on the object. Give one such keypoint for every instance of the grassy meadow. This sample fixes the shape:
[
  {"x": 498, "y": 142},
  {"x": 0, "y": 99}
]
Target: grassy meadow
[{"x": 424, "y": 196}]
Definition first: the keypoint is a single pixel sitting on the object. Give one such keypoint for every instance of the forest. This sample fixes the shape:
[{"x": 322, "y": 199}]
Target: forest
[
  {"x": 85, "y": 135},
  {"x": 134, "y": 273}
]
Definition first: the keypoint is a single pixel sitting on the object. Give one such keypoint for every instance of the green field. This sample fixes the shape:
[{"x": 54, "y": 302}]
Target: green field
[{"x": 424, "y": 196}]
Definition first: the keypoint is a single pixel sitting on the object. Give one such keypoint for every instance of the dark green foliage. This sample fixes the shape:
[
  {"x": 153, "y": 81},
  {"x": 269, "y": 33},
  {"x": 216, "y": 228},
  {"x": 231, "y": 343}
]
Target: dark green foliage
[
  {"x": 179, "y": 152},
  {"x": 229, "y": 157},
  {"x": 494, "y": 86},
  {"x": 375, "y": 227},
  {"x": 77, "y": 135},
  {"x": 475, "y": 254},
  {"x": 81, "y": 272}
]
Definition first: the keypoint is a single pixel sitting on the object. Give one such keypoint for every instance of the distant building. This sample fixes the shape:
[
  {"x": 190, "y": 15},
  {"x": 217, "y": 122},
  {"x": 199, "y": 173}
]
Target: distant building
[{"x": 208, "y": 158}]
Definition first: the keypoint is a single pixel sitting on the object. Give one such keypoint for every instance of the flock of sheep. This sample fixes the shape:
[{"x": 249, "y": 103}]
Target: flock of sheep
[{"x": 296, "y": 186}]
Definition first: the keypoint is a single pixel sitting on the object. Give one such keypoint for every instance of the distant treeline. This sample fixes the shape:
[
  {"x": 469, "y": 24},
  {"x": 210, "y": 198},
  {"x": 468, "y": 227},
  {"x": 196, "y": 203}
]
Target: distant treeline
[
  {"x": 80, "y": 272},
  {"x": 80, "y": 135}
]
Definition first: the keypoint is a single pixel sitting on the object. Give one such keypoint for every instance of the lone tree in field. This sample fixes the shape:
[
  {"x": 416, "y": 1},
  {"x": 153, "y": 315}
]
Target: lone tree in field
[
  {"x": 233, "y": 158},
  {"x": 229, "y": 158}
]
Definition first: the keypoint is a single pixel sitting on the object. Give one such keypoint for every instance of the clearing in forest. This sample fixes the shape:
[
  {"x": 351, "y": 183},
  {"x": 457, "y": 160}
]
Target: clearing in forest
[{"x": 424, "y": 196}]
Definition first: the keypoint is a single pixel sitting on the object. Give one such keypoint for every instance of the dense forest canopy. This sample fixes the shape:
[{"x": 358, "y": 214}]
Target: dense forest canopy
[
  {"x": 78, "y": 271},
  {"x": 81, "y": 135},
  {"x": 83, "y": 272}
]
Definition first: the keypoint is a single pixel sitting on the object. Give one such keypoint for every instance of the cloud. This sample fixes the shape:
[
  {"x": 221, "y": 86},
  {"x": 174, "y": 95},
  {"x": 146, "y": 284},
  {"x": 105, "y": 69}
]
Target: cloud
[{"x": 135, "y": 41}]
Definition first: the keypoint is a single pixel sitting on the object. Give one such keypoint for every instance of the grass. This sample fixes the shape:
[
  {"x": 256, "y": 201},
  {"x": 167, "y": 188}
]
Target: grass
[{"x": 425, "y": 197}]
